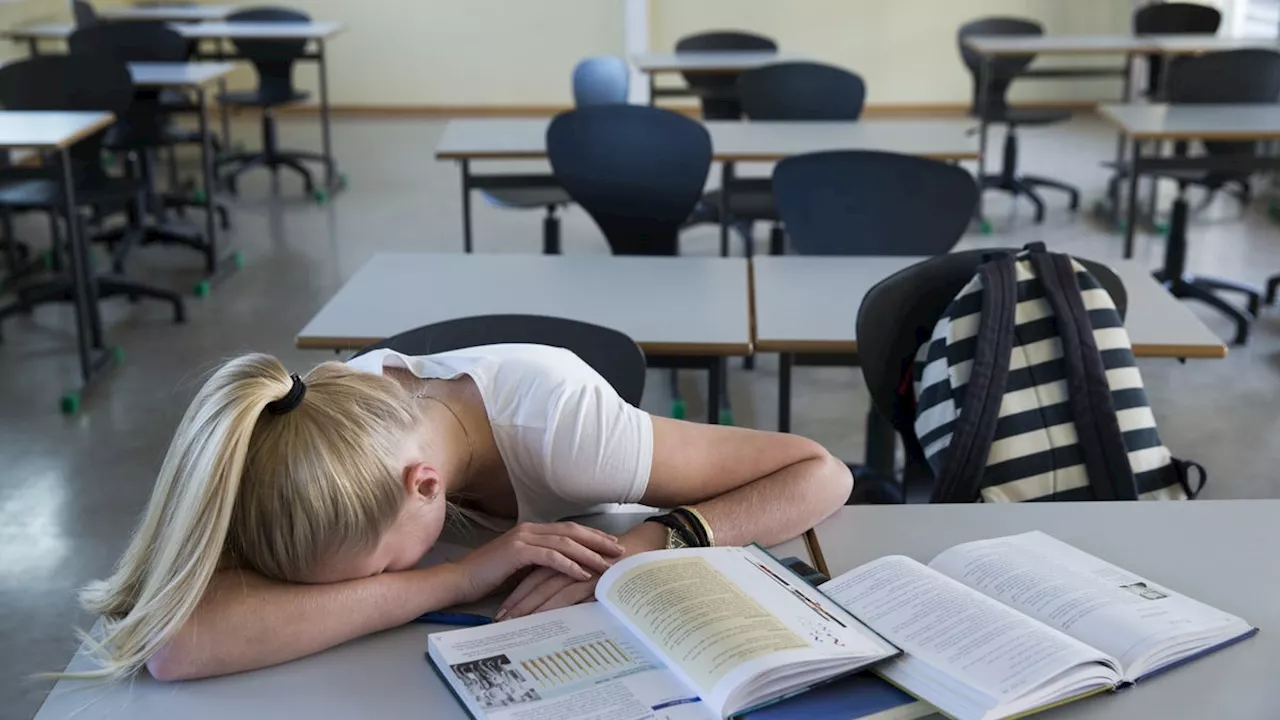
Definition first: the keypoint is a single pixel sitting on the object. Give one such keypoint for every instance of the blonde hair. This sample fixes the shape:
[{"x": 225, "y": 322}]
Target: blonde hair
[{"x": 278, "y": 493}]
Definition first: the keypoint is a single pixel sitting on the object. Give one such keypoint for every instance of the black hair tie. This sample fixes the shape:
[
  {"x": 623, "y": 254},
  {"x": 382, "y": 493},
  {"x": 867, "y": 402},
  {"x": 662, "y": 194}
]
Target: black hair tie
[{"x": 290, "y": 401}]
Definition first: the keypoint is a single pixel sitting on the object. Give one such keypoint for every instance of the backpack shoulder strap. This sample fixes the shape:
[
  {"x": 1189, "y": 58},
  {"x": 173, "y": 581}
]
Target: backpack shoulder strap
[
  {"x": 1106, "y": 458},
  {"x": 975, "y": 425}
]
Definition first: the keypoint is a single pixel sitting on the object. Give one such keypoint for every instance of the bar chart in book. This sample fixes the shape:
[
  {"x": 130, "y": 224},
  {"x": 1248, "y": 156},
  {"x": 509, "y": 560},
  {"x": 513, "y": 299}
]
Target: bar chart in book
[{"x": 581, "y": 662}]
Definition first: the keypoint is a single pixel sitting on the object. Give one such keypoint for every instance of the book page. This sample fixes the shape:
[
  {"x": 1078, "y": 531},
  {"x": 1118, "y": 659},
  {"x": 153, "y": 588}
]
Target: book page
[
  {"x": 1116, "y": 611},
  {"x": 577, "y": 663},
  {"x": 725, "y": 616},
  {"x": 966, "y": 635}
]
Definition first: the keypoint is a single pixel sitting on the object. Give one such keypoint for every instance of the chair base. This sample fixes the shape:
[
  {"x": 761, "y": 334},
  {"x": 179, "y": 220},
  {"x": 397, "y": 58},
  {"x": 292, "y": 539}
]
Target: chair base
[
  {"x": 122, "y": 240},
  {"x": 181, "y": 203},
  {"x": 1205, "y": 290},
  {"x": 273, "y": 162},
  {"x": 1025, "y": 186},
  {"x": 1273, "y": 286},
  {"x": 63, "y": 290}
]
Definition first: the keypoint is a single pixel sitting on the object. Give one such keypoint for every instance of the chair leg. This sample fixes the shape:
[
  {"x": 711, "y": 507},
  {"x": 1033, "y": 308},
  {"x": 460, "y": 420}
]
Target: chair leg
[
  {"x": 1273, "y": 286},
  {"x": 297, "y": 167},
  {"x": 777, "y": 240},
  {"x": 1252, "y": 294},
  {"x": 111, "y": 286},
  {"x": 1073, "y": 193},
  {"x": 1022, "y": 188},
  {"x": 551, "y": 232},
  {"x": 1243, "y": 320}
]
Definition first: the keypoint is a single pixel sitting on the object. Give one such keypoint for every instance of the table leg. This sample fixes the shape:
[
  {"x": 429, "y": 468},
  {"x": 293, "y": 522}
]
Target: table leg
[
  {"x": 653, "y": 89},
  {"x": 1126, "y": 96},
  {"x": 715, "y": 376},
  {"x": 1131, "y": 220},
  {"x": 206, "y": 169},
  {"x": 984, "y": 90},
  {"x": 726, "y": 179},
  {"x": 784, "y": 392},
  {"x": 224, "y": 112},
  {"x": 326, "y": 140},
  {"x": 465, "y": 166},
  {"x": 88, "y": 322}
]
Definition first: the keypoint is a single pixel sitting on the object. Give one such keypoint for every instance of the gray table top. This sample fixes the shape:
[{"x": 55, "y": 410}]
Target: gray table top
[
  {"x": 996, "y": 45},
  {"x": 701, "y": 308},
  {"x": 1184, "y": 44},
  {"x": 178, "y": 74},
  {"x": 704, "y": 62},
  {"x": 48, "y": 129},
  {"x": 525, "y": 138},
  {"x": 198, "y": 31},
  {"x": 809, "y": 304},
  {"x": 382, "y": 676},
  {"x": 1220, "y": 552},
  {"x": 168, "y": 13},
  {"x": 1163, "y": 121}
]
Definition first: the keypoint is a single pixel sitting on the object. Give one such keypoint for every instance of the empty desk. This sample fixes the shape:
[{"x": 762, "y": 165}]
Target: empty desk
[
  {"x": 702, "y": 62},
  {"x": 684, "y": 312},
  {"x": 1214, "y": 551},
  {"x": 194, "y": 77},
  {"x": 168, "y": 13},
  {"x": 524, "y": 139},
  {"x": 379, "y": 676}
]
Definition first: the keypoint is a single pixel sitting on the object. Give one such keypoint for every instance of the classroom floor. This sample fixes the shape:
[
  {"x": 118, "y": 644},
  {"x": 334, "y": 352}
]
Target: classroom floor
[{"x": 72, "y": 488}]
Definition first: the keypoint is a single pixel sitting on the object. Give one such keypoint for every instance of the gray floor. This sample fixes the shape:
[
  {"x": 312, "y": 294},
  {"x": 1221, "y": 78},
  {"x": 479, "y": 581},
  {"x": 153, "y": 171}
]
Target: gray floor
[{"x": 71, "y": 488}]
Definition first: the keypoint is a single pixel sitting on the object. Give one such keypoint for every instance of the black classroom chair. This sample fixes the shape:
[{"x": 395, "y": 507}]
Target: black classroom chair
[
  {"x": 897, "y": 317},
  {"x": 83, "y": 13},
  {"x": 600, "y": 80},
  {"x": 859, "y": 202},
  {"x": 74, "y": 83},
  {"x": 611, "y": 353},
  {"x": 1235, "y": 76},
  {"x": 1172, "y": 18},
  {"x": 273, "y": 60},
  {"x": 717, "y": 92},
  {"x": 1004, "y": 70}
]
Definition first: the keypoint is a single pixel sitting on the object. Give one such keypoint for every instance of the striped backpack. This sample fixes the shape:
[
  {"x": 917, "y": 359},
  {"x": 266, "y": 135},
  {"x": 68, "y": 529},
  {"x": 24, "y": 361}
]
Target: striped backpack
[{"x": 1028, "y": 390}]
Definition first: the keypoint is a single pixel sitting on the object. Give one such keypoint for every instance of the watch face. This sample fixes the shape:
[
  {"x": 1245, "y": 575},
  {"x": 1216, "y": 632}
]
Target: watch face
[{"x": 674, "y": 540}]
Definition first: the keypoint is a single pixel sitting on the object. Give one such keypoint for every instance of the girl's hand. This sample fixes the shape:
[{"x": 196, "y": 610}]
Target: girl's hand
[{"x": 570, "y": 549}]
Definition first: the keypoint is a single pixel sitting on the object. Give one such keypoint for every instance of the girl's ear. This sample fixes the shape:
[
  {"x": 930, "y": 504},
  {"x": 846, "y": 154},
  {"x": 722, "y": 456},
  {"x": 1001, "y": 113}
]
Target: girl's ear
[{"x": 422, "y": 480}]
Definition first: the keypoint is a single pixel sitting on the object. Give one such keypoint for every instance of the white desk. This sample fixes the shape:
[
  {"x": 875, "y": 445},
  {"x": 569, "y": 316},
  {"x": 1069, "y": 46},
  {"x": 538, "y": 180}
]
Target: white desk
[
  {"x": 382, "y": 676},
  {"x": 313, "y": 30},
  {"x": 168, "y": 13},
  {"x": 178, "y": 75},
  {"x": 525, "y": 138},
  {"x": 1013, "y": 45},
  {"x": 708, "y": 62},
  {"x": 1195, "y": 122},
  {"x": 57, "y": 131},
  {"x": 808, "y": 305},
  {"x": 1220, "y": 552},
  {"x": 1195, "y": 44}
]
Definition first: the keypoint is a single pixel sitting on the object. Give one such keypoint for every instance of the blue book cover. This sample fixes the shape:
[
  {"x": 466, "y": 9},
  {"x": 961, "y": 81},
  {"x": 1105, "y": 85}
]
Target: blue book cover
[{"x": 862, "y": 696}]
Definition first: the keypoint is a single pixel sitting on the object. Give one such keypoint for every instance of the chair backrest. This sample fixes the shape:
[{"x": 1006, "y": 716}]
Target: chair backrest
[
  {"x": 861, "y": 202},
  {"x": 1172, "y": 18},
  {"x": 130, "y": 41},
  {"x": 601, "y": 80},
  {"x": 273, "y": 59},
  {"x": 70, "y": 82},
  {"x": 611, "y": 353},
  {"x": 83, "y": 13},
  {"x": 1234, "y": 76},
  {"x": 637, "y": 170},
  {"x": 717, "y": 92},
  {"x": 1004, "y": 69},
  {"x": 801, "y": 91},
  {"x": 898, "y": 314}
]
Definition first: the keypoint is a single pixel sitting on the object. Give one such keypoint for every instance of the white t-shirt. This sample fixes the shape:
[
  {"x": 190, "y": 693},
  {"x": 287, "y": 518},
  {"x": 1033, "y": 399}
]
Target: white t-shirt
[{"x": 571, "y": 445}]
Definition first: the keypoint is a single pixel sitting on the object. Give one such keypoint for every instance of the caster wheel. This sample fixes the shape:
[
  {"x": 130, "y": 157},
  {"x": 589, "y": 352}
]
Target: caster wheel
[
  {"x": 342, "y": 180},
  {"x": 237, "y": 259},
  {"x": 202, "y": 289},
  {"x": 199, "y": 196},
  {"x": 117, "y": 355},
  {"x": 1162, "y": 229},
  {"x": 726, "y": 416},
  {"x": 109, "y": 158},
  {"x": 678, "y": 409},
  {"x": 70, "y": 403},
  {"x": 321, "y": 196},
  {"x": 46, "y": 260},
  {"x": 984, "y": 227}
]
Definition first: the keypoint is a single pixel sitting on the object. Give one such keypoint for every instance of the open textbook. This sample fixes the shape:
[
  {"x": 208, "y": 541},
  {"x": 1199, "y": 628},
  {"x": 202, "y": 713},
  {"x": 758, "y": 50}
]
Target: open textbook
[
  {"x": 1005, "y": 627},
  {"x": 694, "y": 633}
]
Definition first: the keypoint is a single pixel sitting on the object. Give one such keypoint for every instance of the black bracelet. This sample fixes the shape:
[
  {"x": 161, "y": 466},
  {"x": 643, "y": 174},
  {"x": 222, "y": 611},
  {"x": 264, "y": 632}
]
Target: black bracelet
[
  {"x": 695, "y": 526},
  {"x": 670, "y": 520}
]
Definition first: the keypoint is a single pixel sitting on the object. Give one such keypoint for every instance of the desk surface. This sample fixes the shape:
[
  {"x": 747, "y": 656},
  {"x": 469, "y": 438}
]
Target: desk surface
[
  {"x": 1195, "y": 122},
  {"x": 995, "y": 45},
  {"x": 1217, "y": 551},
  {"x": 168, "y": 13},
  {"x": 380, "y": 676},
  {"x": 670, "y": 306},
  {"x": 810, "y": 304},
  {"x": 49, "y": 129},
  {"x": 178, "y": 74},
  {"x": 523, "y": 138},
  {"x": 704, "y": 62},
  {"x": 1183, "y": 44},
  {"x": 199, "y": 31}
]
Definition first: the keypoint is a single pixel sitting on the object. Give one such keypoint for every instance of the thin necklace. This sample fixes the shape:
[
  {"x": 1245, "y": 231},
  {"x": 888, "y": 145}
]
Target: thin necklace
[{"x": 471, "y": 449}]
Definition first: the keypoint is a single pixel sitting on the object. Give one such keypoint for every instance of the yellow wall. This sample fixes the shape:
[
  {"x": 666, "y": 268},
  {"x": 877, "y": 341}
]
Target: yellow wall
[{"x": 25, "y": 12}]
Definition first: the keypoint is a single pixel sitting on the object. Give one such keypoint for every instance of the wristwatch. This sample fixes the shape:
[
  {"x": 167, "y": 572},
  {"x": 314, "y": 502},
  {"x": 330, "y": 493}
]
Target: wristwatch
[{"x": 675, "y": 540}]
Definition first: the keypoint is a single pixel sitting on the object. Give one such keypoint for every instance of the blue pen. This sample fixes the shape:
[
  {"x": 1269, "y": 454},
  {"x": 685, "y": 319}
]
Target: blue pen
[{"x": 453, "y": 618}]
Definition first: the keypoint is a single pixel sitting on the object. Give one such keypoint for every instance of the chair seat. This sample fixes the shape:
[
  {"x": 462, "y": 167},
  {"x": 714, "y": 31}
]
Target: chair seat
[
  {"x": 37, "y": 194},
  {"x": 1029, "y": 116},
  {"x": 527, "y": 198},
  {"x": 255, "y": 98}
]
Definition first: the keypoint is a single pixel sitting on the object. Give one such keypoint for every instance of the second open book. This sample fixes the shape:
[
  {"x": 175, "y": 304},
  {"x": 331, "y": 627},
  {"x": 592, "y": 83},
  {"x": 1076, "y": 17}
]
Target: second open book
[{"x": 989, "y": 629}]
